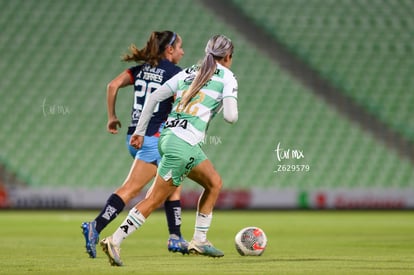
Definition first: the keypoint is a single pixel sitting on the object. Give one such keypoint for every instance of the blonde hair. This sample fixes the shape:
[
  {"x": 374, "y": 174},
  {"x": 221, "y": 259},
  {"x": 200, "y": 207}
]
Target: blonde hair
[
  {"x": 217, "y": 48},
  {"x": 153, "y": 52}
]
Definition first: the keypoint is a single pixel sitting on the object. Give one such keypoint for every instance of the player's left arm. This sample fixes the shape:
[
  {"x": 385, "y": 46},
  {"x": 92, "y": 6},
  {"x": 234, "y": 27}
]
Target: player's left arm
[{"x": 230, "y": 111}]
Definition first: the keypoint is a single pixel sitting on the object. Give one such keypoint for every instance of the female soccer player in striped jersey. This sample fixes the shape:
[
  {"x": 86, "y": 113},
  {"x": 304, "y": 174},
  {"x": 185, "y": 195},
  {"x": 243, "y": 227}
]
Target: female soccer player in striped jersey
[
  {"x": 156, "y": 64},
  {"x": 200, "y": 93}
]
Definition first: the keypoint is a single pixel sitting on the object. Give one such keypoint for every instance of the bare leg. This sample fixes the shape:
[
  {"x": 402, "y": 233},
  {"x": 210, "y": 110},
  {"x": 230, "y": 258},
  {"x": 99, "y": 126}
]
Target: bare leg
[
  {"x": 176, "y": 195},
  {"x": 158, "y": 193},
  {"x": 206, "y": 175},
  {"x": 139, "y": 175}
]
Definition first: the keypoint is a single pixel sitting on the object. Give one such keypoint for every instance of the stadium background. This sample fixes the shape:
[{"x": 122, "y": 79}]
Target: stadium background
[{"x": 323, "y": 84}]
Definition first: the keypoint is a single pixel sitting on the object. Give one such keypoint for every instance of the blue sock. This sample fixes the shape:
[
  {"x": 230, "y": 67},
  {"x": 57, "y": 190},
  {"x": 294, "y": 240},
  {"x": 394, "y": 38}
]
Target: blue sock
[
  {"x": 173, "y": 214},
  {"x": 114, "y": 206}
]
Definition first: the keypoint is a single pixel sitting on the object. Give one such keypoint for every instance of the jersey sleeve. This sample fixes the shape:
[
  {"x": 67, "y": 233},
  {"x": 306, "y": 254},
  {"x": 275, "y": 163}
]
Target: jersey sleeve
[
  {"x": 161, "y": 94},
  {"x": 131, "y": 76},
  {"x": 230, "y": 112},
  {"x": 230, "y": 88},
  {"x": 132, "y": 71}
]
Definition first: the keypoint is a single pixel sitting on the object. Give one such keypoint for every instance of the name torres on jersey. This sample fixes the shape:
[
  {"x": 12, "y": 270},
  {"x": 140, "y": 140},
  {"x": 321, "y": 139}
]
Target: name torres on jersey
[{"x": 151, "y": 74}]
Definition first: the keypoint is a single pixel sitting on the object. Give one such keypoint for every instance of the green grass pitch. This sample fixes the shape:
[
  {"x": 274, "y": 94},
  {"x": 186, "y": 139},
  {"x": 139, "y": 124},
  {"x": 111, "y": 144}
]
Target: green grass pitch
[{"x": 299, "y": 242}]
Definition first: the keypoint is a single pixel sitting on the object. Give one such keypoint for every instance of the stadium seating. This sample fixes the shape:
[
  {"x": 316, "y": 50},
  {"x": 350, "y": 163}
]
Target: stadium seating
[
  {"x": 363, "y": 47},
  {"x": 58, "y": 56}
]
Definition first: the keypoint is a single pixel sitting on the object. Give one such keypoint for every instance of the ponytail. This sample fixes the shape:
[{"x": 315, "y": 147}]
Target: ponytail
[
  {"x": 217, "y": 48},
  {"x": 207, "y": 68},
  {"x": 153, "y": 52}
]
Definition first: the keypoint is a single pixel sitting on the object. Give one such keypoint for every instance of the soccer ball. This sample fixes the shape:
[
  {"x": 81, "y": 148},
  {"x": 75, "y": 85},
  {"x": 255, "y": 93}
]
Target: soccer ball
[{"x": 251, "y": 241}]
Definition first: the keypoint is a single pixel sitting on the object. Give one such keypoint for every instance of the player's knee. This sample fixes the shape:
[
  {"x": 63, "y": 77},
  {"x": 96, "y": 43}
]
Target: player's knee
[{"x": 216, "y": 182}]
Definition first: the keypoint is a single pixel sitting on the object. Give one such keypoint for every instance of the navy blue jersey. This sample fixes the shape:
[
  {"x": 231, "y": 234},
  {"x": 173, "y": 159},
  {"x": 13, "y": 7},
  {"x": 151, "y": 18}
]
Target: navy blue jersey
[{"x": 146, "y": 80}]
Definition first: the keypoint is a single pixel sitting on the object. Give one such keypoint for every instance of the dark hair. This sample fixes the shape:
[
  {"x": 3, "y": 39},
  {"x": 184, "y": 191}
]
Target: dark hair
[{"x": 153, "y": 52}]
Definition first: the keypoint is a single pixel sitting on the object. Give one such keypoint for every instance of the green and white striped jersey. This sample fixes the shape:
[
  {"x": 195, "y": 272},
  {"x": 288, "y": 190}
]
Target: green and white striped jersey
[{"x": 191, "y": 122}]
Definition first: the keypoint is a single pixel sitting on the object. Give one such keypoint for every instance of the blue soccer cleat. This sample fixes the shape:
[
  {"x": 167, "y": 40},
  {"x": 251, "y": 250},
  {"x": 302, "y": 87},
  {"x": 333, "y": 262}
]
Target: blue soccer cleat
[
  {"x": 177, "y": 244},
  {"x": 91, "y": 237}
]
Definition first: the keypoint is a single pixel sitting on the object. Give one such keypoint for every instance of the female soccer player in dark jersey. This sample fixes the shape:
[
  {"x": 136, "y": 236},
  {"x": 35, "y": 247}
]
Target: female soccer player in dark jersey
[{"x": 156, "y": 64}]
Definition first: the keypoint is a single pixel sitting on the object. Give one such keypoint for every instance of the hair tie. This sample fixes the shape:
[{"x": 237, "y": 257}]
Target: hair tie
[{"x": 209, "y": 51}]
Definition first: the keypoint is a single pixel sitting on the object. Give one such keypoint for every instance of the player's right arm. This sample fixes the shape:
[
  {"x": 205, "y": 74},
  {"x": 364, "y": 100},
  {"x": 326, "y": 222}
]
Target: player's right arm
[{"x": 122, "y": 80}]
